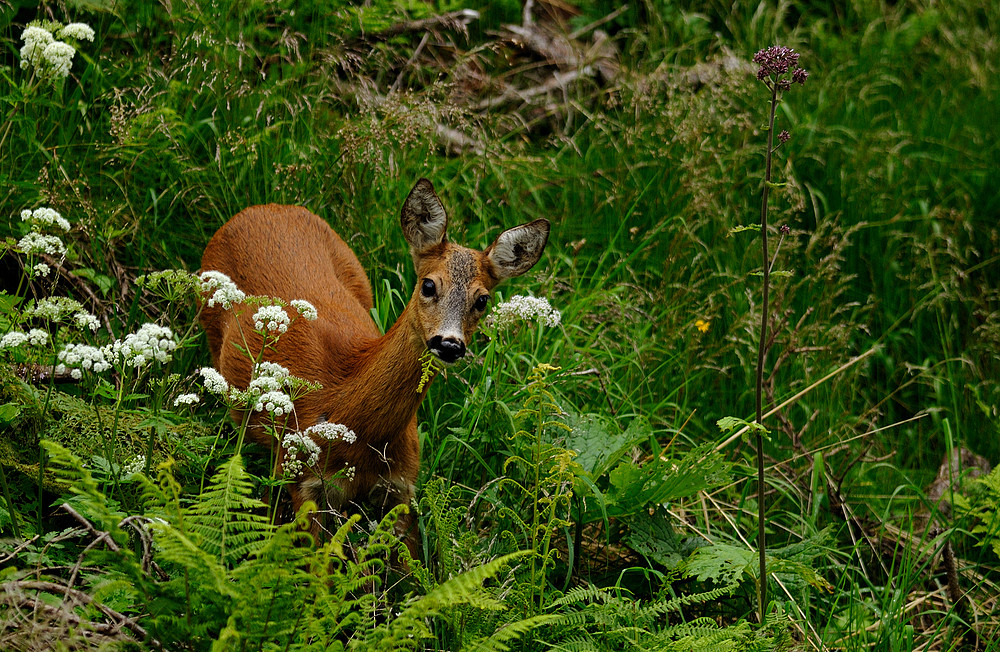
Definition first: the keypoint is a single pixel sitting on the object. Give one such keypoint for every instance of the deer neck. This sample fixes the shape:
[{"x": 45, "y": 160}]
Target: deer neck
[{"x": 381, "y": 394}]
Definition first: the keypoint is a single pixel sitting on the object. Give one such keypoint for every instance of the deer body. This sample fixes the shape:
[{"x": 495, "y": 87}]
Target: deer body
[{"x": 369, "y": 381}]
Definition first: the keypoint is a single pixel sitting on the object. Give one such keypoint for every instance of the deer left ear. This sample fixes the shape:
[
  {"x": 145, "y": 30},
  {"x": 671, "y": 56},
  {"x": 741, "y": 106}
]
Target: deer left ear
[
  {"x": 516, "y": 250},
  {"x": 423, "y": 218}
]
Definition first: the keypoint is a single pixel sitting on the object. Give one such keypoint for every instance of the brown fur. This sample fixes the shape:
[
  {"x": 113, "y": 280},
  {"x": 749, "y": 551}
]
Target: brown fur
[{"x": 368, "y": 381}]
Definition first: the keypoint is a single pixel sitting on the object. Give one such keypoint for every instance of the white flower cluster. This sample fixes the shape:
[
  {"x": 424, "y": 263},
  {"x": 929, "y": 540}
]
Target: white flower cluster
[
  {"x": 186, "y": 399},
  {"x": 78, "y": 31},
  {"x": 268, "y": 377},
  {"x": 271, "y": 318},
  {"x": 521, "y": 308},
  {"x": 331, "y": 431},
  {"x": 48, "y": 57},
  {"x": 56, "y": 308},
  {"x": 306, "y": 309},
  {"x": 14, "y": 339},
  {"x": 294, "y": 443},
  {"x": 59, "y": 57},
  {"x": 150, "y": 342},
  {"x": 276, "y": 403},
  {"x": 84, "y": 319},
  {"x": 88, "y": 357},
  {"x": 266, "y": 390},
  {"x": 35, "y": 40},
  {"x": 214, "y": 381},
  {"x": 134, "y": 466},
  {"x": 45, "y": 217},
  {"x": 36, "y": 242},
  {"x": 42, "y": 243},
  {"x": 224, "y": 291}
]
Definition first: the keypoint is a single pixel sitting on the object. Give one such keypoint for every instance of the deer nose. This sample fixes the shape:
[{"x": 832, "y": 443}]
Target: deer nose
[{"x": 448, "y": 349}]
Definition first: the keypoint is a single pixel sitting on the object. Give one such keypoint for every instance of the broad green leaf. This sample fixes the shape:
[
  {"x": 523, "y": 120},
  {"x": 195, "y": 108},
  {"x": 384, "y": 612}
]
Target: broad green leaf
[{"x": 600, "y": 445}]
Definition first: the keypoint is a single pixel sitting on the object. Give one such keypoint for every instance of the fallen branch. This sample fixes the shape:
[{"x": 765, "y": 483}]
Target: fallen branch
[
  {"x": 453, "y": 20},
  {"x": 559, "y": 80},
  {"x": 14, "y": 592}
]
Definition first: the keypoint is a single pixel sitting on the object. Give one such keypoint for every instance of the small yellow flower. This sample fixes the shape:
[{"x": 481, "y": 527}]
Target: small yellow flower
[{"x": 702, "y": 325}]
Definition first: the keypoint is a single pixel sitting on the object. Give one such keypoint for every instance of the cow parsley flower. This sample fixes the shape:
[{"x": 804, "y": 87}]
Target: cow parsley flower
[
  {"x": 263, "y": 384},
  {"x": 35, "y": 40},
  {"x": 275, "y": 403},
  {"x": 268, "y": 377},
  {"x": 77, "y": 31},
  {"x": 225, "y": 292},
  {"x": 54, "y": 308},
  {"x": 272, "y": 369},
  {"x": 134, "y": 466},
  {"x": 45, "y": 217},
  {"x": 48, "y": 57},
  {"x": 84, "y": 319},
  {"x": 150, "y": 342},
  {"x": 306, "y": 309},
  {"x": 295, "y": 443},
  {"x": 214, "y": 381},
  {"x": 41, "y": 269},
  {"x": 186, "y": 399},
  {"x": 84, "y": 356},
  {"x": 59, "y": 56},
  {"x": 40, "y": 243},
  {"x": 271, "y": 318},
  {"x": 331, "y": 431},
  {"x": 12, "y": 340},
  {"x": 521, "y": 308}
]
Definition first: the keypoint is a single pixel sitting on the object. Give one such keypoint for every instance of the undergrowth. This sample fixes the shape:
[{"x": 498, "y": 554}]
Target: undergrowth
[{"x": 575, "y": 492}]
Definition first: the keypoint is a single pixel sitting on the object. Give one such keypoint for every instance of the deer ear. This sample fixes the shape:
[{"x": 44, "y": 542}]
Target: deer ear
[
  {"x": 516, "y": 250},
  {"x": 423, "y": 218}
]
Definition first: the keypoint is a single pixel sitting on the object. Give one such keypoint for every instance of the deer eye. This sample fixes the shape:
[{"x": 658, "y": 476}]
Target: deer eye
[
  {"x": 482, "y": 302},
  {"x": 427, "y": 288}
]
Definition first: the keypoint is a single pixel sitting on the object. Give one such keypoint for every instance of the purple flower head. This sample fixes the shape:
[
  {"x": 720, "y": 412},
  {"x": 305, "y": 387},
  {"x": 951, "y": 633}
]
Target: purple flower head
[
  {"x": 784, "y": 136},
  {"x": 775, "y": 60},
  {"x": 784, "y": 227},
  {"x": 800, "y": 75}
]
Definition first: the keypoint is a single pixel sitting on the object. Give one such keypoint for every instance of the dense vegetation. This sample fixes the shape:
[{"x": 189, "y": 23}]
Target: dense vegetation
[{"x": 576, "y": 491}]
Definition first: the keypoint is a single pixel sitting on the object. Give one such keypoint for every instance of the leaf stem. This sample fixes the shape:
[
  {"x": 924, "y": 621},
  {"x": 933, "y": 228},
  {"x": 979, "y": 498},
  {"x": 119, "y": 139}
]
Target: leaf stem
[{"x": 761, "y": 350}]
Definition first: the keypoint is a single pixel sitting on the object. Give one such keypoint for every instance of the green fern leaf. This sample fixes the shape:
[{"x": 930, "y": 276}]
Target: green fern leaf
[
  {"x": 228, "y": 520},
  {"x": 498, "y": 640}
]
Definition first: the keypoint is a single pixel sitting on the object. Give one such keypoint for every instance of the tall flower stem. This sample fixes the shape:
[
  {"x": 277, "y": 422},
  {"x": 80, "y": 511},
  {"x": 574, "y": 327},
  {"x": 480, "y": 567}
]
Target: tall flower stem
[{"x": 761, "y": 350}]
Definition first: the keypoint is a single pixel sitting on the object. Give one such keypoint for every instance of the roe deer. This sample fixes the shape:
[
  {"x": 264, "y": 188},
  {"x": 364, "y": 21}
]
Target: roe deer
[{"x": 369, "y": 381}]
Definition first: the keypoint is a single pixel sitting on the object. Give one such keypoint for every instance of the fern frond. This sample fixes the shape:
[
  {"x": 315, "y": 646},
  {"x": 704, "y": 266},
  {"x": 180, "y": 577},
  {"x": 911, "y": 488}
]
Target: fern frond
[
  {"x": 498, "y": 640},
  {"x": 227, "y": 519},
  {"x": 462, "y": 588},
  {"x": 89, "y": 500},
  {"x": 584, "y": 594},
  {"x": 709, "y": 637},
  {"x": 655, "y": 609},
  {"x": 177, "y": 548}
]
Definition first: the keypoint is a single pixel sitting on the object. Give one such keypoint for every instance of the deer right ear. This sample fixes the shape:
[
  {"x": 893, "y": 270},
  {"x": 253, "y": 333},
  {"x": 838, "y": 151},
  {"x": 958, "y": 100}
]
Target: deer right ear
[
  {"x": 516, "y": 250},
  {"x": 423, "y": 219}
]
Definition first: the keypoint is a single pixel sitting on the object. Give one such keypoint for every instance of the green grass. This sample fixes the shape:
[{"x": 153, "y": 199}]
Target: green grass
[{"x": 171, "y": 123}]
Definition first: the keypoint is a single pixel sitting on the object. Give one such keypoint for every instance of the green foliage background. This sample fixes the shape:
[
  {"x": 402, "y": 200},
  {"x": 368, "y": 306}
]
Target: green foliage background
[{"x": 180, "y": 114}]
